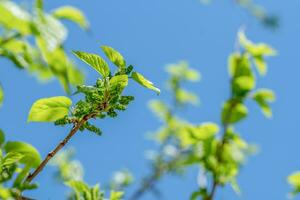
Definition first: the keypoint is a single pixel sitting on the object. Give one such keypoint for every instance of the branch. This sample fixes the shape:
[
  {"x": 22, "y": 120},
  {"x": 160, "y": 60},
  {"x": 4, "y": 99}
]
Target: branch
[
  {"x": 50, "y": 155},
  {"x": 150, "y": 181},
  {"x": 221, "y": 146}
]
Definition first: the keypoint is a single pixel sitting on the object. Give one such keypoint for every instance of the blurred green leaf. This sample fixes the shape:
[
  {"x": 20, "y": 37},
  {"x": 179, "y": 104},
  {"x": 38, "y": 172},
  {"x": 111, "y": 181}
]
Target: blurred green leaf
[
  {"x": 294, "y": 179},
  {"x": 31, "y": 156},
  {"x": 73, "y": 14},
  {"x": 233, "y": 112},
  {"x": 263, "y": 97},
  {"x": 14, "y": 17},
  {"x": 243, "y": 83},
  {"x": 182, "y": 71},
  {"x": 11, "y": 158},
  {"x": 2, "y": 137},
  {"x": 114, "y": 195}
]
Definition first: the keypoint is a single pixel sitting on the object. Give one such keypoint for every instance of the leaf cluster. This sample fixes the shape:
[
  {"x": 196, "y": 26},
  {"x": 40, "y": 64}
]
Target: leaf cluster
[
  {"x": 33, "y": 39},
  {"x": 16, "y": 160}
]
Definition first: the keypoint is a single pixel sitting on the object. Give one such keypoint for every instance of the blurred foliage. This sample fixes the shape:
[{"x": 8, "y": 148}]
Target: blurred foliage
[
  {"x": 294, "y": 181},
  {"x": 270, "y": 21},
  {"x": 16, "y": 160},
  {"x": 121, "y": 180},
  {"x": 219, "y": 155},
  {"x": 175, "y": 137},
  {"x": 70, "y": 171},
  {"x": 33, "y": 39}
]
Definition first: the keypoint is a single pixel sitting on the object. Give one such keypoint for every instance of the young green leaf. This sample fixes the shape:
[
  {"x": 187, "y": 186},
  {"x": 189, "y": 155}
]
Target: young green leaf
[
  {"x": 11, "y": 158},
  {"x": 49, "y": 109},
  {"x": 182, "y": 71},
  {"x": 233, "y": 113},
  {"x": 114, "y": 56},
  {"x": 120, "y": 80},
  {"x": 243, "y": 83},
  {"x": 30, "y": 157},
  {"x": 2, "y": 137},
  {"x": 144, "y": 82},
  {"x": 114, "y": 195},
  {"x": 205, "y": 130},
  {"x": 260, "y": 64},
  {"x": 263, "y": 97},
  {"x": 14, "y": 17},
  {"x": 294, "y": 179},
  {"x": 73, "y": 14},
  {"x": 94, "y": 61}
]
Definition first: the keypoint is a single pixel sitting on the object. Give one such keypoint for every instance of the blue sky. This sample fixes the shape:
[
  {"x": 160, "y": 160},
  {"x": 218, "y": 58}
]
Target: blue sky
[{"x": 151, "y": 34}]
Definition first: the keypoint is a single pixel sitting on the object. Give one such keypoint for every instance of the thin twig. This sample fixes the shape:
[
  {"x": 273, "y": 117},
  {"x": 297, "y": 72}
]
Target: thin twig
[
  {"x": 150, "y": 181},
  {"x": 50, "y": 155}
]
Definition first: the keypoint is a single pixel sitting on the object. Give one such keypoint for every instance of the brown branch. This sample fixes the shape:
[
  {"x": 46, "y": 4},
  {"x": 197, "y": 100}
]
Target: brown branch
[{"x": 50, "y": 155}]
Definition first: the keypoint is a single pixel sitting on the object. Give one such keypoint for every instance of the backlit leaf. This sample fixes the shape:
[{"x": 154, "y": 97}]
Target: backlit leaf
[
  {"x": 144, "y": 82},
  {"x": 49, "y": 109},
  {"x": 72, "y": 14},
  {"x": 114, "y": 56},
  {"x": 94, "y": 61},
  {"x": 30, "y": 157}
]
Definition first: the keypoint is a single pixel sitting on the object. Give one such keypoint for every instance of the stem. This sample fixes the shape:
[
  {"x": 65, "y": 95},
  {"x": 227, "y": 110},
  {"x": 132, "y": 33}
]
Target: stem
[
  {"x": 221, "y": 146},
  {"x": 151, "y": 180},
  {"x": 50, "y": 155},
  {"x": 148, "y": 183}
]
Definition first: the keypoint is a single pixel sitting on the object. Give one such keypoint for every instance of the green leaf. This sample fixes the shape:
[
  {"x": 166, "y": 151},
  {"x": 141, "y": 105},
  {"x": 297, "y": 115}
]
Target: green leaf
[
  {"x": 51, "y": 30},
  {"x": 2, "y": 137},
  {"x": 73, "y": 14},
  {"x": 39, "y": 4},
  {"x": 160, "y": 109},
  {"x": 294, "y": 179},
  {"x": 183, "y": 71},
  {"x": 144, "y": 82},
  {"x": 263, "y": 97},
  {"x": 191, "y": 135},
  {"x": 80, "y": 188},
  {"x": 31, "y": 156},
  {"x": 260, "y": 64},
  {"x": 14, "y": 17},
  {"x": 49, "y": 109},
  {"x": 184, "y": 96},
  {"x": 120, "y": 80},
  {"x": 1, "y": 95},
  {"x": 11, "y": 158},
  {"x": 259, "y": 49},
  {"x": 233, "y": 112},
  {"x": 205, "y": 130},
  {"x": 243, "y": 83},
  {"x": 114, "y": 56},
  {"x": 239, "y": 65},
  {"x": 114, "y": 195},
  {"x": 94, "y": 61}
]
